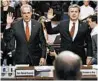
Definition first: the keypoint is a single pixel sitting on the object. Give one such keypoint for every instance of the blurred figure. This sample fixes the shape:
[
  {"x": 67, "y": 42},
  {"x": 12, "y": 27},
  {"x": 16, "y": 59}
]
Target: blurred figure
[
  {"x": 67, "y": 66},
  {"x": 86, "y": 10},
  {"x": 92, "y": 21},
  {"x": 96, "y": 9},
  {"x": 12, "y": 3},
  {"x": 54, "y": 22},
  {"x": 5, "y": 9},
  {"x": 17, "y": 8},
  {"x": 2, "y": 50},
  {"x": 52, "y": 39},
  {"x": 28, "y": 34}
]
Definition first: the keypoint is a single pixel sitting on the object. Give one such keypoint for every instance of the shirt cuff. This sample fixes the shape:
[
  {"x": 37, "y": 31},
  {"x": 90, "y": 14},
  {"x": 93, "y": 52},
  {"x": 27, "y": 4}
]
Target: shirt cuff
[
  {"x": 8, "y": 26},
  {"x": 47, "y": 20}
]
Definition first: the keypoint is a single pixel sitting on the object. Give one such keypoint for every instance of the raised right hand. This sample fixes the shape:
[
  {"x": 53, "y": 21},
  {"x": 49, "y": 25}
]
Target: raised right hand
[
  {"x": 50, "y": 14},
  {"x": 10, "y": 18}
]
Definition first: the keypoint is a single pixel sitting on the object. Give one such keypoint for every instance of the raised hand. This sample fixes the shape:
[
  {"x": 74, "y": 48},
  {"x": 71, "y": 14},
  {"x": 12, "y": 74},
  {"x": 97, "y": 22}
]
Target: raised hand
[
  {"x": 10, "y": 18},
  {"x": 50, "y": 14}
]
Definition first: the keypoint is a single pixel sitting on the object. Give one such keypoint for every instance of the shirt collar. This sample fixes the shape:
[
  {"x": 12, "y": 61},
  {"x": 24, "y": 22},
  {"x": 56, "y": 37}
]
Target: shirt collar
[
  {"x": 25, "y": 22},
  {"x": 75, "y": 21}
]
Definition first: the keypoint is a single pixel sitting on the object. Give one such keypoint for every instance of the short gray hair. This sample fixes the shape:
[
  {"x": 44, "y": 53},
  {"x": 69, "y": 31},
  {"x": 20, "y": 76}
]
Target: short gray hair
[
  {"x": 67, "y": 66},
  {"x": 74, "y": 6},
  {"x": 27, "y": 6}
]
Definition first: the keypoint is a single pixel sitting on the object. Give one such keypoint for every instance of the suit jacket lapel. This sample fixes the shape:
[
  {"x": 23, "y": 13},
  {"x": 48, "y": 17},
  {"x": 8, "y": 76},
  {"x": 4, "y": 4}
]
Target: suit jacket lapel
[
  {"x": 79, "y": 30},
  {"x": 67, "y": 29},
  {"x": 32, "y": 30},
  {"x": 23, "y": 30}
]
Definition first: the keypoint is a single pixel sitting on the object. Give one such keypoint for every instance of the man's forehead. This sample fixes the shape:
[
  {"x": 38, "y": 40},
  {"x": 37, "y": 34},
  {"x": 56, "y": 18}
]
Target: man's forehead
[
  {"x": 26, "y": 9},
  {"x": 74, "y": 8},
  {"x": 4, "y": 0}
]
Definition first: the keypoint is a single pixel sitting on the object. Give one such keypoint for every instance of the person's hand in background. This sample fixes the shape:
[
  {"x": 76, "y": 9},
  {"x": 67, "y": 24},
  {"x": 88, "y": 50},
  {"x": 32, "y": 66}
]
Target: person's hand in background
[
  {"x": 50, "y": 14},
  {"x": 9, "y": 20},
  {"x": 89, "y": 60},
  {"x": 53, "y": 53}
]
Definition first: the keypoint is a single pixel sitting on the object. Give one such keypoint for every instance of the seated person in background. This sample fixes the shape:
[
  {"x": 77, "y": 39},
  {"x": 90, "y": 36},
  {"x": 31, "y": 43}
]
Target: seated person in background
[
  {"x": 86, "y": 10},
  {"x": 67, "y": 66},
  {"x": 92, "y": 21}
]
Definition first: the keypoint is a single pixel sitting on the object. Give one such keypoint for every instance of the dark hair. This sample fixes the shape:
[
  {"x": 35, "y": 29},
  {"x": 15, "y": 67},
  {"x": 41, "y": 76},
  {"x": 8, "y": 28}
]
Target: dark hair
[
  {"x": 74, "y": 6},
  {"x": 58, "y": 15},
  {"x": 93, "y": 18},
  {"x": 57, "y": 10}
]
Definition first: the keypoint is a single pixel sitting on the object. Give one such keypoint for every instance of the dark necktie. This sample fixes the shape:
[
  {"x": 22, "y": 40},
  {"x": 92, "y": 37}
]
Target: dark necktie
[
  {"x": 72, "y": 30},
  {"x": 27, "y": 32}
]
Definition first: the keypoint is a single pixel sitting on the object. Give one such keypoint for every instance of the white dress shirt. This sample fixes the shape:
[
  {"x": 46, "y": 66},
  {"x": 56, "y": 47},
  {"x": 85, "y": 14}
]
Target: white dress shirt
[
  {"x": 29, "y": 24},
  {"x": 86, "y": 11},
  {"x": 76, "y": 28},
  {"x": 51, "y": 38}
]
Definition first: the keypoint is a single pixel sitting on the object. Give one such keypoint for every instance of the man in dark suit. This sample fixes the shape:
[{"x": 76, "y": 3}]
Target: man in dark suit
[
  {"x": 74, "y": 33},
  {"x": 29, "y": 37}
]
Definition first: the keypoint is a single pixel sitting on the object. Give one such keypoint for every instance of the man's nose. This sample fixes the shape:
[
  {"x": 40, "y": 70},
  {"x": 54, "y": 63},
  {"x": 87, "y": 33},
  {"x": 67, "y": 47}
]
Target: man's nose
[
  {"x": 74, "y": 13},
  {"x": 26, "y": 15}
]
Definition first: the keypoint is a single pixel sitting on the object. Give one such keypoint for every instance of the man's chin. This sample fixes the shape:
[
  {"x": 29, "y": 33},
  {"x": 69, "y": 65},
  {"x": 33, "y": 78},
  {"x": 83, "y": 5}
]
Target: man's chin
[
  {"x": 73, "y": 19},
  {"x": 26, "y": 20}
]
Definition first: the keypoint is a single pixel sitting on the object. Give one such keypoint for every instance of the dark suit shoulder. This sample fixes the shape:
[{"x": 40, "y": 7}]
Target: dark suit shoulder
[
  {"x": 64, "y": 21},
  {"x": 84, "y": 24},
  {"x": 17, "y": 21},
  {"x": 35, "y": 21}
]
